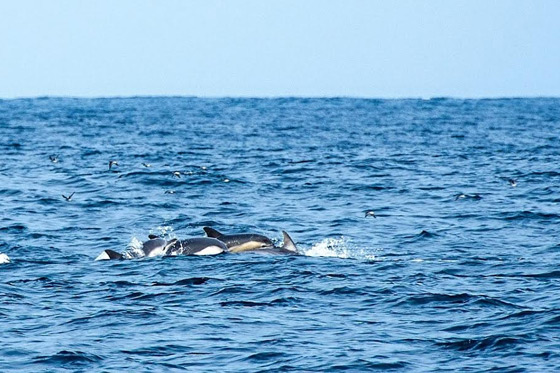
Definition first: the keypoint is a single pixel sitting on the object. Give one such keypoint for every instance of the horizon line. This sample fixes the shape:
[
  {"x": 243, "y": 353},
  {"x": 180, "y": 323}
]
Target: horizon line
[{"x": 274, "y": 97}]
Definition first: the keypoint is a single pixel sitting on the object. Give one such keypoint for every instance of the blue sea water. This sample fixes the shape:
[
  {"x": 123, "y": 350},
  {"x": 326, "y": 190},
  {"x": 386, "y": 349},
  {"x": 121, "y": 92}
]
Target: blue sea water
[{"x": 457, "y": 271}]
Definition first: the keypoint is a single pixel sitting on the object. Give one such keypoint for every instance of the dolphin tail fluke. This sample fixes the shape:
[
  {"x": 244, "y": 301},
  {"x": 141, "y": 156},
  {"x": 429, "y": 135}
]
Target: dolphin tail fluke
[
  {"x": 212, "y": 233},
  {"x": 289, "y": 243},
  {"x": 108, "y": 255}
]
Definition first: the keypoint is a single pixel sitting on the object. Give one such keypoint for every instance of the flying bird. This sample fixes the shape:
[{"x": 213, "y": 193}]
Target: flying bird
[
  {"x": 370, "y": 213},
  {"x": 113, "y": 163},
  {"x": 69, "y": 197}
]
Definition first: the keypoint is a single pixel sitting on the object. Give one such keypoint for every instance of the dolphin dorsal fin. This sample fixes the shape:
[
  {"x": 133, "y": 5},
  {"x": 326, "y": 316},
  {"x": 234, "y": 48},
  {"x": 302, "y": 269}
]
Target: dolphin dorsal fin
[
  {"x": 289, "y": 243},
  {"x": 108, "y": 255},
  {"x": 113, "y": 254},
  {"x": 210, "y": 232}
]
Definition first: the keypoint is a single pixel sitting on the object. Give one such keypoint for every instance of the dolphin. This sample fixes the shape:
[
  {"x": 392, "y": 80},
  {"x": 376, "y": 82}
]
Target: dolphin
[
  {"x": 157, "y": 246},
  {"x": 154, "y": 246},
  {"x": 195, "y": 246},
  {"x": 238, "y": 243}
]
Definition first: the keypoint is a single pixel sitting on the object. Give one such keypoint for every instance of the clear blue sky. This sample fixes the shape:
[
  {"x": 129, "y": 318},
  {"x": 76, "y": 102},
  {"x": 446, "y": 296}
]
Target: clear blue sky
[{"x": 369, "y": 48}]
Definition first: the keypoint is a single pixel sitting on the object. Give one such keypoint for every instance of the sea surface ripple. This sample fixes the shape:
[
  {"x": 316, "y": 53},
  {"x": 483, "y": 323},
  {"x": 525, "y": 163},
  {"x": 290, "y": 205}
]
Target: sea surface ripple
[{"x": 457, "y": 271}]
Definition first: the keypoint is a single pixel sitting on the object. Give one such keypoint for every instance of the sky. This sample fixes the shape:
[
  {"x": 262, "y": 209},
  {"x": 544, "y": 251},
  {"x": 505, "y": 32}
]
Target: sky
[{"x": 368, "y": 48}]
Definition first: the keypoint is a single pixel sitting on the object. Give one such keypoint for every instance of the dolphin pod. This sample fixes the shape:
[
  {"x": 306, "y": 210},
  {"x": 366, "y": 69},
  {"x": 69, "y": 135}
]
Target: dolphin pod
[{"x": 216, "y": 243}]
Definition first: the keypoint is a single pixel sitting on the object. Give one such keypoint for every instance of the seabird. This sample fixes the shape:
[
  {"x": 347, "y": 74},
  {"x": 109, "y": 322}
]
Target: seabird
[
  {"x": 113, "y": 163},
  {"x": 146, "y": 165},
  {"x": 53, "y": 158},
  {"x": 370, "y": 213},
  {"x": 471, "y": 196},
  {"x": 512, "y": 182},
  {"x": 69, "y": 197},
  {"x": 176, "y": 174}
]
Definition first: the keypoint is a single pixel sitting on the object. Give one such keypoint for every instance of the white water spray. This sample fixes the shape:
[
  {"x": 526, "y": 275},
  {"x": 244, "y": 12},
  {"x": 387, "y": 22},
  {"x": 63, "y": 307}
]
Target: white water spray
[{"x": 337, "y": 248}]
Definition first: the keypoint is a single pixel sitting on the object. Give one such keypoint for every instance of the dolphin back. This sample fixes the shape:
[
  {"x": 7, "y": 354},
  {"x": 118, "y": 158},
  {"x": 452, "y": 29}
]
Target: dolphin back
[{"x": 197, "y": 246}]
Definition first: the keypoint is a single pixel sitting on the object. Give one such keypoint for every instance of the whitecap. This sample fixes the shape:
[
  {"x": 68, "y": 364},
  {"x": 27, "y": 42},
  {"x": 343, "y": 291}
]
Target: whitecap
[{"x": 4, "y": 258}]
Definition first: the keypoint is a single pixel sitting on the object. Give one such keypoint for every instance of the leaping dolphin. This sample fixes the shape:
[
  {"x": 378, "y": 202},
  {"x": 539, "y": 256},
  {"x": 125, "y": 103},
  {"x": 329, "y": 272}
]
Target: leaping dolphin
[
  {"x": 256, "y": 243},
  {"x": 157, "y": 246}
]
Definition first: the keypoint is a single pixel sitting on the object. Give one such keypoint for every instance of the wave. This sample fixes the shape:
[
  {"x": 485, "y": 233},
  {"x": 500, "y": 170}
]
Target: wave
[
  {"x": 183, "y": 282},
  {"x": 243, "y": 303},
  {"x": 529, "y": 215},
  {"x": 462, "y": 298},
  {"x": 64, "y": 357},
  {"x": 489, "y": 343}
]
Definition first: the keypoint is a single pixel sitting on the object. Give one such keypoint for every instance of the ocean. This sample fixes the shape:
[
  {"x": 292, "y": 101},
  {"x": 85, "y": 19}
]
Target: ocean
[{"x": 456, "y": 269}]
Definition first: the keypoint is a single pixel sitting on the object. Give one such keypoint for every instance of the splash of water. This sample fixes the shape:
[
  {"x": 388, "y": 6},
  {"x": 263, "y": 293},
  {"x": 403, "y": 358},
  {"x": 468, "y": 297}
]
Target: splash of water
[
  {"x": 338, "y": 248},
  {"x": 134, "y": 247},
  {"x": 164, "y": 231}
]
